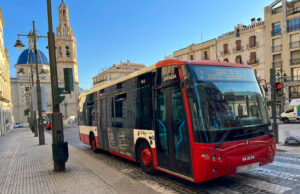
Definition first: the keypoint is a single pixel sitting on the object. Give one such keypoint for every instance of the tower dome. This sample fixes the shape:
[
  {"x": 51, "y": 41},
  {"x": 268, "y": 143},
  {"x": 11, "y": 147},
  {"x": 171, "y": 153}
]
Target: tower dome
[{"x": 25, "y": 56}]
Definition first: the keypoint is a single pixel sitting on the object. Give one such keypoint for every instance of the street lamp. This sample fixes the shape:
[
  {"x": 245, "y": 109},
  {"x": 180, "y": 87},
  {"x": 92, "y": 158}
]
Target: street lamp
[{"x": 19, "y": 45}]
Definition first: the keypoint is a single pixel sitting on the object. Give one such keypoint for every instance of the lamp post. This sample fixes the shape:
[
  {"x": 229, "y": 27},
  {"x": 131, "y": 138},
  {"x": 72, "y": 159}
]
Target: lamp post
[
  {"x": 19, "y": 46},
  {"x": 273, "y": 94},
  {"x": 59, "y": 147}
]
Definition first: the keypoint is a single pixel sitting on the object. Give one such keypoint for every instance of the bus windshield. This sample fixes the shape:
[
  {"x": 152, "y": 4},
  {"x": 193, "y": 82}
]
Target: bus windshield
[{"x": 226, "y": 98}]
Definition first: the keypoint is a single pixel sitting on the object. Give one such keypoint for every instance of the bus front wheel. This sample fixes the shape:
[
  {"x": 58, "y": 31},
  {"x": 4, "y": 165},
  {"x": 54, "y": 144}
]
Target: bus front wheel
[{"x": 145, "y": 157}]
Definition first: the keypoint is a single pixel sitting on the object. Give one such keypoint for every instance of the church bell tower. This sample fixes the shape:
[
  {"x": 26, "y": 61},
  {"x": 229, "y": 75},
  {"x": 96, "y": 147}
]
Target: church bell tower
[{"x": 66, "y": 57}]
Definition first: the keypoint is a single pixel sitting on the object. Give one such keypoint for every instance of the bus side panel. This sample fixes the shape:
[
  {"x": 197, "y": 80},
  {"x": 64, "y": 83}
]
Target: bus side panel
[
  {"x": 120, "y": 141},
  {"x": 84, "y": 133}
]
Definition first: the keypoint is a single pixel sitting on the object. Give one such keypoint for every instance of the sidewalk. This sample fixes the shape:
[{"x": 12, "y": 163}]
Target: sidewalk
[{"x": 26, "y": 167}]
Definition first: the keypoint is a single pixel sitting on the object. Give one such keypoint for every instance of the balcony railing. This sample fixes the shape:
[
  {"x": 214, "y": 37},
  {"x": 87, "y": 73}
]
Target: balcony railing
[
  {"x": 295, "y": 61},
  {"x": 295, "y": 44},
  {"x": 276, "y": 32},
  {"x": 253, "y": 62},
  {"x": 252, "y": 46},
  {"x": 225, "y": 52},
  {"x": 277, "y": 48},
  {"x": 293, "y": 11},
  {"x": 277, "y": 64},
  {"x": 293, "y": 28},
  {"x": 236, "y": 49}
]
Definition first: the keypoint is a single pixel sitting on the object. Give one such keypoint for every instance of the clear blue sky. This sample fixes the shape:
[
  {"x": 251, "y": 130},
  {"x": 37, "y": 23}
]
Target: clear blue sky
[{"x": 143, "y": 31}]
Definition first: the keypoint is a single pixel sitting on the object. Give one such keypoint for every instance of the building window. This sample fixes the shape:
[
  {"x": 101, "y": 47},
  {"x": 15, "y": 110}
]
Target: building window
[
  {"x": 226, "y": 60},
  {"x": 238, "y": 45},
  {"x": 65, "y": 29},
  {"x": 205, "y": 55},
  {"x": 237, "y": 33},
  {"x": 252, "y": 41},
  {"x": 252, "y": 58},
  {"x": 276, "y": 29},
  {"x": 64, "y": 12},
  {"x": 294, "y": 24},
  {"x": 67, "y": 51},
  {"x": 294, "y": 92},
  {"x": 238, "y": 59},
  {"x": 225, "y": 49},
  {"x": 296, "y": 74},
  {"x": 191, "y": 57}
]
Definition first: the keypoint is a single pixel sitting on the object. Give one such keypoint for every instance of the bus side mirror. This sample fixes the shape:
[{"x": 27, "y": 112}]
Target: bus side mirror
[{"x": 68, "y": 77}]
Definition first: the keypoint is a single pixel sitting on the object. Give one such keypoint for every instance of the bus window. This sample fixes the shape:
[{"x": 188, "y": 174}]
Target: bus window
[{"x": 161, "y": 119}]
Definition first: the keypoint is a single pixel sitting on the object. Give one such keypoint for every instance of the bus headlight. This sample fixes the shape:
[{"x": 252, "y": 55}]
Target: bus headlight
[{"x": 205, "y": 156}]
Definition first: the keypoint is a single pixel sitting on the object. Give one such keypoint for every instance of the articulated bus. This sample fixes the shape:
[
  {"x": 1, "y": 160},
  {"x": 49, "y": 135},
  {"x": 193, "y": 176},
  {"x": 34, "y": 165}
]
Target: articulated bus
[{"x": 197, "y": 120}]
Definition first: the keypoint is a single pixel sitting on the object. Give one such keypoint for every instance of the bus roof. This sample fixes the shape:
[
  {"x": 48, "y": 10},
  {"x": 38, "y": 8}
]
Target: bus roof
[{"x": 162, "y": 63}]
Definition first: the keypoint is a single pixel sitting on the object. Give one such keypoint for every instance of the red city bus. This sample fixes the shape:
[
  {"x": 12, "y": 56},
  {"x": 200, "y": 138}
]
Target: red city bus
[{"x": 197, "y": 120}]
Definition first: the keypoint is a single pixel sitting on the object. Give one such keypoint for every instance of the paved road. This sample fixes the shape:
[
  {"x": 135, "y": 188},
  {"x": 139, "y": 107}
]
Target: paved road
[{"x": 282, "y": 176}]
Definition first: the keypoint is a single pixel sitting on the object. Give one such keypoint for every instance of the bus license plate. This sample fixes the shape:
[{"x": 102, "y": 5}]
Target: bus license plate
[{"x": 247, "y": 167}]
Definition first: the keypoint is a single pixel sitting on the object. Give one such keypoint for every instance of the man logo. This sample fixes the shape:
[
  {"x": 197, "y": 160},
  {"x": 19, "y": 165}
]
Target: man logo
[{"x": 244, "y": 159}]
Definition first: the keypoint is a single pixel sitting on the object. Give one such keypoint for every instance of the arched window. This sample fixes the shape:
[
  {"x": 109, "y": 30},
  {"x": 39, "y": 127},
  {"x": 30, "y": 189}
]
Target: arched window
[
  {"x": 67, "y": 51},
  {"x": 59, "y": 51},
  {"x": 65, "y": 30}
]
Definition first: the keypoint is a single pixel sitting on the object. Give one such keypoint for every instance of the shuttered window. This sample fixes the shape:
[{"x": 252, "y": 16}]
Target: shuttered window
[
  {"x": 252, "y": 57},
  {"x": 238, "y": 59},
  {"x": 252, "y": 41},
  {"x": 225, "y": 48},
  {"x": 238, "y": 45}
]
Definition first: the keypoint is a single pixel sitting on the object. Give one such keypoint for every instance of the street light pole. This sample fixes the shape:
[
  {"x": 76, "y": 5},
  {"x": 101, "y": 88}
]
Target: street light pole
[
  {"x": 59, "y": 147},
  {"x": 38, "y": 90},
  {"x": 32, "y": 112},
  {"x": 273, "y": 94}
]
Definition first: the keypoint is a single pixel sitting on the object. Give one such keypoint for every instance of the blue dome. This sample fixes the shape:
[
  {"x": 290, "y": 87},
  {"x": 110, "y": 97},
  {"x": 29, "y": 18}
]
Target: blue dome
[{"x": 24, "y": 57}]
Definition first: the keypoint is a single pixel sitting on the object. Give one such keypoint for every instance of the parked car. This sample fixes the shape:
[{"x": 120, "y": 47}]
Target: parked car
[{"x": 18, "y": 125}]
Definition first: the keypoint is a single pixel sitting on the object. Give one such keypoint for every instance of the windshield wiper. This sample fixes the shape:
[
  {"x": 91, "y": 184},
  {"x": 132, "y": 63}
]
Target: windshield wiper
[{"x": 223, "y": 139}]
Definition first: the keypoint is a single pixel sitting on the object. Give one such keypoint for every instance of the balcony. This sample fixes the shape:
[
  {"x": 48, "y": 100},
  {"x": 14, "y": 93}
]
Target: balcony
[
  {"x": 250, "y": 62},
  {"x": 252, "y": 46},
  {"x": 293, "y": 28},
  {"x": 277, "y": 48},
  {"x": 293, "y": 11},
  {"x": 277, "y": 64},
  {"x": 295, "y": 61},
  {"x": 225, "y": 52},
  {"x": 237, "y": 49},
  {"x": 295, "y": 44},
  {"x": 276, "y": 32}
]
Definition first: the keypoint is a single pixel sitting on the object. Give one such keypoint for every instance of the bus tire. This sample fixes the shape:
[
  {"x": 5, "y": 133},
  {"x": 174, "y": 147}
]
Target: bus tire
[
  {"x": 145, "y": 158},
  {"x": 93, "y": 143},
  {"x": 285, "y": 120}
]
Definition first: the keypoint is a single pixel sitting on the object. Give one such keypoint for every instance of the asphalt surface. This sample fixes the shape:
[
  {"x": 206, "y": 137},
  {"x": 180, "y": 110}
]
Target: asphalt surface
[{"x": 282, "y": 176}]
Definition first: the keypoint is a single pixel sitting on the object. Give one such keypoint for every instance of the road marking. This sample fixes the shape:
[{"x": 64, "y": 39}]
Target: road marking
[
  {"x": 285, "y": 165},
  {"x": 287, "y": 158},
  {"x": 277, "y": 174},
  {"x": 262, "y": 185}
]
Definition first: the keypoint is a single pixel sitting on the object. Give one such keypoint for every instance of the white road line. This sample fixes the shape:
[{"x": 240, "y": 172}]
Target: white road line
[
  {"x": 277, "y": 174},
  {"x": 262, "y": 185},
  {"x": 287, "y": 158},
  {"x": 285, "y": 165}
]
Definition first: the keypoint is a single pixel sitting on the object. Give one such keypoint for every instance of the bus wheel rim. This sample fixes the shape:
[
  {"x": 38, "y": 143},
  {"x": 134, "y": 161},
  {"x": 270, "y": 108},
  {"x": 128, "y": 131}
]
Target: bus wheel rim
[{"x": 146, "y": 157}]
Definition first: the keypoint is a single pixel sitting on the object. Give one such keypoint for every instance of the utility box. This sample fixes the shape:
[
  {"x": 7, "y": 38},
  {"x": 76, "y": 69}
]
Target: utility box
[{"x": 68, "y": 77}]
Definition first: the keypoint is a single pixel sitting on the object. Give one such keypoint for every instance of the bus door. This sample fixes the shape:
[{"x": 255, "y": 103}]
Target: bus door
[
  {"x": 172, "y": 139},
  {"x": 103, "y": 137}
]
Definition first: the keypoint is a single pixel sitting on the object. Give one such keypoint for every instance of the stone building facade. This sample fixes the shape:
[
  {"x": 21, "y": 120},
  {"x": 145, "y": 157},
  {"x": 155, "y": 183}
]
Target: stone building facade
[
  {"x": 117, "y": 71},
  {"x": 262, "y": 44},
  {"x": 66, "y": 58},
  {"x": 6, "y": 119},
  {"x": 282, "y": 46}
]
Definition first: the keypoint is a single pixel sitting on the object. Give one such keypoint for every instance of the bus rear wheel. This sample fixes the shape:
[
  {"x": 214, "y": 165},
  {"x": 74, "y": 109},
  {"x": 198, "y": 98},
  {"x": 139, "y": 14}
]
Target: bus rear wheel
[
  {"x": 145, "y": 158},
  {"x": 93, "y": 143}
]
